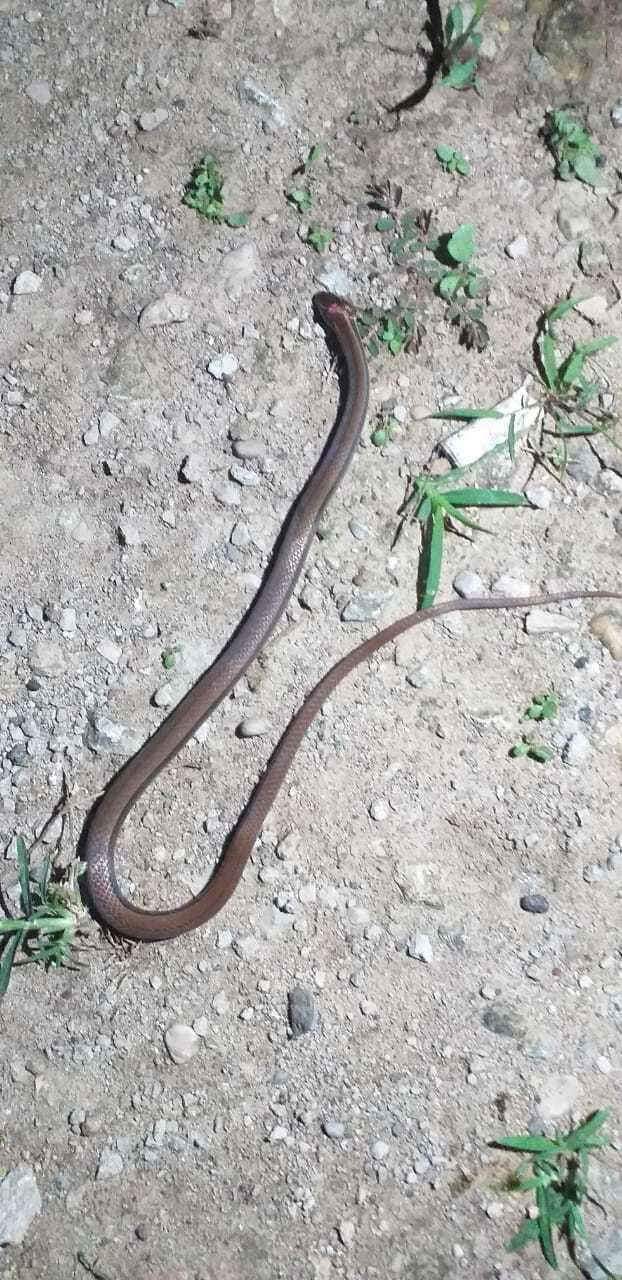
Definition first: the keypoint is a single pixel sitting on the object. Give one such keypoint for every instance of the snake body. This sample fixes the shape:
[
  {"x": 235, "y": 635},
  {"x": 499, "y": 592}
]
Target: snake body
[{"x": 109, "y": 813}]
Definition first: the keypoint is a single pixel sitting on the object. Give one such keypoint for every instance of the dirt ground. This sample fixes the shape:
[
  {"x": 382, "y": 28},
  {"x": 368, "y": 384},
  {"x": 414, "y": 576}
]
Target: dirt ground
[{"x": 388, "y": 881}]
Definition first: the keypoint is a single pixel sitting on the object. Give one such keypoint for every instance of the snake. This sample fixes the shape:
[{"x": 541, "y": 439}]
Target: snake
[{"x": 114, "y": 911}]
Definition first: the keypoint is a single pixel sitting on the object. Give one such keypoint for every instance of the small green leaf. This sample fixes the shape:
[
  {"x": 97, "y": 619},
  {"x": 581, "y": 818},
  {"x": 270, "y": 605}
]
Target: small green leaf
[
  {"x": 461, "y": 245},
  {"x": 432, "y": 557},
  {"x": 302, "y": 200},
  {"x": 572, "y": 368},
  {"x": 544, "y": 1225},
  {"x": 236, "y": 219},
  {"x": 561, "y": 309},
  {"x": 446, "y": 154},
  {"x": 587, "y": 169},
  {"x": 463, "y": 166},
  {"x": 23, "y": 871},
  {"x": 386, "y": 223},
  {"x": 527, "y": 1234},
  {"x": 528, "y": 1142},
  {"x": 460, "y": 75},
  {"x": 537, "y": 751},
  {"x": 454, "y": 24},
  {"x": 449, "y": 284},
  {"x": 6, "y": 962},
  {"x": 596, "y": 344},
  {"x": 549, "y": 362},
  {"x": 472, "y": 497}
]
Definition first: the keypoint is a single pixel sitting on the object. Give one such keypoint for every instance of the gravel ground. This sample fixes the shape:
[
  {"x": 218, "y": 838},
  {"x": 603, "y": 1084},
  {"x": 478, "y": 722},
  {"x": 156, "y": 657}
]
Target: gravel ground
[{"x": 431, "y": 957}]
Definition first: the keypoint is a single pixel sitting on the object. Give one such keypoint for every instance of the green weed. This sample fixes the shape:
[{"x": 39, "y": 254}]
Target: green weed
[
  {"x": 318, "y": 238},
  {"x": 204, "y": 192},
  {"x": 51, "y": 913},
  {"x": 301, "y": 197},
  {"x": 396, "y": 330},
  {"x": 460, "y": 36},
  {"x": 576, "y": 156},
  {"x": 573, "y": 397},
  {"x": 432, "y": 504},
  {"x": 557, "y": 1172},
  {"x": 453, "y": 161}
]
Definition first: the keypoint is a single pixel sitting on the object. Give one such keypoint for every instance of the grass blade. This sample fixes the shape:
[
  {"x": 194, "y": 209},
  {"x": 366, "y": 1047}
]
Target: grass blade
[
  {"x": 531, "y": 1142},
  {"x": 471, "y": 497},
  {"x": 431, "y": 557},
  {"x": 6, "y": 961},
  {"x": 549, "y": 362},
  {"x": 544, "y": 1224},
  {"x": 466, "y": 415},
  {"x": 23, "y": 871}
]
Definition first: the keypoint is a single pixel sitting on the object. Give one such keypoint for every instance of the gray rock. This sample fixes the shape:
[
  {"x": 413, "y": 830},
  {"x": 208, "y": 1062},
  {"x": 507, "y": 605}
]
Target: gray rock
[
  {"x": 517, "y": 248},
  {"x": 366, "y": 606},
  {"x": 420, "y": 948},
  {"x": 593, "y": 258},
  {"x": 576, "y": 750},
  {"x": 109, "y": 650},
  {"x": 593, "y": 872},
  {"x": 170, "y": 308},
  {"x": 47, "y": 659},
  {"x": 249, "y": 450},
  {"x": 26, "y": 282},
  {"x": 39, "y": 91},
  {"x": 253, "y": 727},
  {"x": 18, "y": 637},
  {"x": 238, "y": 269},
  {"x": 244, "y": 476},
  {"x": 223, "y": 367},
  {"x": 300, "y": 1011},
  {"x": 128, "y": 534},
  {"x": 150, "y": 120},
  {"x": 181, "y": 1042},
  {"x": 605, "y": 1249},
  {"x": 469, "y": 585},
  {"x": 616, "y": 115},
  {"x": 541, "y": 622},
  {"x": 539, "y": 496},
  {"x": 379, "y": 810},
  {"x": 503, "y": 1020},
  {"x": 226, "y": 493},
  {"x": 108, "y": 422},
  {"x": 583, "y": 465},
  {"x": 334, "y": 1129},
  {"x": 105, "y": 735},
  {"x": 572, "y": 223},
  {"x": 334, "y": 279},
  {"x": 250, "y": 91},
  {"x": 535, "y": 903},
  {"x": 506, "y": 585},
  {"x": 20, "y": 1202},
  {"x": 110, "y": 1165},
  {"x": 195, "y": 468},
  {"x": 557, "y": 1097}
]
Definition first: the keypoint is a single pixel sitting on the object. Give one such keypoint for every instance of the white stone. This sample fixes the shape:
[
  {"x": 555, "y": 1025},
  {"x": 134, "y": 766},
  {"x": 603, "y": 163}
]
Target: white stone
[
  {"x": 541, "y": 622},
  {"x": 558, "y": 1096},
  {"x": 170, "y": 308},
  {"x": 150, "y": 120},
  {"x": 223, "y": 367}
]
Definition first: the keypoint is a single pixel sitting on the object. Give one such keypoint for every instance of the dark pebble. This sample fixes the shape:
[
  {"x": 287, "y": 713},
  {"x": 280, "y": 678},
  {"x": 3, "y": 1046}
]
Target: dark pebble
[
  {"x": 504, "y": 1021},
  {"x": 300, "y": 1011},
  {"x": 534, "y": 902}
]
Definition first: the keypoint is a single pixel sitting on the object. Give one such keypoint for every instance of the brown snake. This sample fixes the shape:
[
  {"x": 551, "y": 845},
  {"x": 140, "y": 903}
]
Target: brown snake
[{"x": 288, "y": 559}]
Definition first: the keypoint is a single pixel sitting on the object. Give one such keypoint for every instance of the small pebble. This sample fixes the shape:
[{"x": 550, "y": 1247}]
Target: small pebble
[
  {"x": 517, "y": 248},
  {"x": 346, "y": 1231},
  {"x": 541, "y": 622},
  {"x": 420, "y": 948},
  {"x": 150, "y": 120},
  {"x": 539, "y": 496},
  {"x": 164, "y": 696},
  {"x": 535, "y": 903},
  {"x": 616, "y": 115},
  {"x": 223, "y": 367},
  {"x": 603, "y": 1064},
  {"x": 253, "y": 727},
  {"x": 110, "y": 1165},
  {"x": 558, "y": 1096},
  {"x": 380, "y": 1150},
  {"x": 506, "y": 585},
  {"x": 300, "y": 1011},
  {"x": 593, "y": 872},
  {"x": 170, "y": 308},
  {"x": 334, "y": 1129},
  {"x": 469, "y": 585},
  {"x": 379, "y": 810},
  {"x": 109, "y": 650}
]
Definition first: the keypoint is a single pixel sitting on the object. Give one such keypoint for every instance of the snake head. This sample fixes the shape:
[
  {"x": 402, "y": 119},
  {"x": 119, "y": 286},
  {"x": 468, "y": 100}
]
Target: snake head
[{"x": 329, "y": 306}]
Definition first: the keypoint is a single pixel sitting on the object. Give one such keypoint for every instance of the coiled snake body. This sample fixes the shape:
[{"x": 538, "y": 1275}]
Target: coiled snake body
[{"x": 289, "y": 557}]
